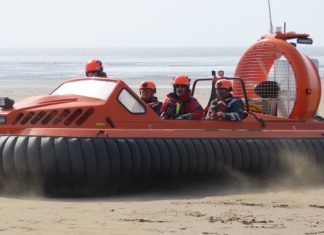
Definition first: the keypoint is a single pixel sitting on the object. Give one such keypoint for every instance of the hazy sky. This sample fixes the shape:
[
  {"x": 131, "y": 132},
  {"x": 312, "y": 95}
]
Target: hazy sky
[{"x": 153, "y": 23}]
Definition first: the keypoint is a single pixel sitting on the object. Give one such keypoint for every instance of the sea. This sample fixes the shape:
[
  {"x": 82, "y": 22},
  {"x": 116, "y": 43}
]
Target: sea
[{"x": 125, "y": 63}]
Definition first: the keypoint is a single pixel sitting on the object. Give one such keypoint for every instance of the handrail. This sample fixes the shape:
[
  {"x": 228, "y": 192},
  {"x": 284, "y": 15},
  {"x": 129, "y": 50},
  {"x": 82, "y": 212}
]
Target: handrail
[{"x": 229, "y": 78}]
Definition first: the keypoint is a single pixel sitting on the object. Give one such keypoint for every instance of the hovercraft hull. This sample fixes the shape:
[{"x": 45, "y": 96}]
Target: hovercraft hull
[{"x": 103, "y": 166}]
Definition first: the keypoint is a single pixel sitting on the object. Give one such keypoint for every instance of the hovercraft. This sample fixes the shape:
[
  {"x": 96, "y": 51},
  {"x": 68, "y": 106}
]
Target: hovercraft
[{"x": 84, "y": 136}]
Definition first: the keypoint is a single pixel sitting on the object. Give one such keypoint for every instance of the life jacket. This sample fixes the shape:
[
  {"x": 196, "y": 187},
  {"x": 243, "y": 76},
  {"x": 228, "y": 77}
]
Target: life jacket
[
  {"x": 175, "y": 108},
  {"x": 221, "y": 105}
]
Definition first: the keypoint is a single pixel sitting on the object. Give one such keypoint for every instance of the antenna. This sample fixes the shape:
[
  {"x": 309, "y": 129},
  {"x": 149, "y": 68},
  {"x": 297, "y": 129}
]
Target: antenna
[{"x": 271, "y": 27}]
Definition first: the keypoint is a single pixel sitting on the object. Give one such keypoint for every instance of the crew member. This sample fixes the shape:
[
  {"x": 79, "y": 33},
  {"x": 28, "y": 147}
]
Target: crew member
[
  {"x": 147, "y": 90},
  {"x": 179, "y": 104},
  {"x": 225, "y": 107}
]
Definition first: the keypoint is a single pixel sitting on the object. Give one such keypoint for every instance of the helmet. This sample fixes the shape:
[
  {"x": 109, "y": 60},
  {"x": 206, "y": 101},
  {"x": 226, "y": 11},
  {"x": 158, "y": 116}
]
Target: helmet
[
  {"x": 224, "y": 83},
  {"x": 93, "y": 65},
  {"x": 181, "y": 80},
  {"x": 148, "y": 84}
]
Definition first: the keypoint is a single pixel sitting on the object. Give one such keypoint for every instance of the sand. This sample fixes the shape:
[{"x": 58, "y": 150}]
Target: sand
[
  {"x": 285, "y": 209},
  {"x": 293, "y": 211}
]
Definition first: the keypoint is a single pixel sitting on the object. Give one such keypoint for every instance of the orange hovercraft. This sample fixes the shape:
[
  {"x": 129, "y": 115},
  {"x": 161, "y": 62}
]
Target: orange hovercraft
[{"x": 85, "y": 136}]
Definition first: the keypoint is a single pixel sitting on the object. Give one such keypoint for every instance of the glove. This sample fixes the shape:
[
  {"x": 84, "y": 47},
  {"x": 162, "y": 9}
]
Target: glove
[{"x": 185, "y": 116}]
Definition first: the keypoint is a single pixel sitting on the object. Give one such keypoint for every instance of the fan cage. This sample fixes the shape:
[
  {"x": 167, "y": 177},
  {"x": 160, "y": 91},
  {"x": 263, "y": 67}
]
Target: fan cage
[{"x": 269, "y": 80}]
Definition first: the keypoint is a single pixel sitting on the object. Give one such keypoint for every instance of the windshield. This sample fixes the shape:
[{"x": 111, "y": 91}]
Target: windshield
[{"x": 90, "y": 88}]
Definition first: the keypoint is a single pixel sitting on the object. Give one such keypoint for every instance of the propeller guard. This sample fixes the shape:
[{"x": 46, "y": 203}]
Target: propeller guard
[{"x": 273, "y": 60}]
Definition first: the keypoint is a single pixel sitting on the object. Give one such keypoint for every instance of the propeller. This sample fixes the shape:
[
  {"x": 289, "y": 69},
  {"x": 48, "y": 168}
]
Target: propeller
[{"x": 284, "y": 75}]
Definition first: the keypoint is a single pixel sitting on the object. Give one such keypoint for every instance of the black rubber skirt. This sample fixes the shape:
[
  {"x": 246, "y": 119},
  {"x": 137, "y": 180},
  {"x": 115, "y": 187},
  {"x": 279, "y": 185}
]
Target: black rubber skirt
[{"x": 104, "y": 166}]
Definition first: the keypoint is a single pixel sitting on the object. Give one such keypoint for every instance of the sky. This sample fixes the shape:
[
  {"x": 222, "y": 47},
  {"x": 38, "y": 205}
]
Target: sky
[{"x": 152, "y": 23}]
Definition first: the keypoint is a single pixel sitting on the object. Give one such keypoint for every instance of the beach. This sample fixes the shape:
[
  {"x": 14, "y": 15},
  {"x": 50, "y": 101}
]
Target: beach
[
  {"x": 290, "y": 211},
  {"x": 288, "y": 208}
]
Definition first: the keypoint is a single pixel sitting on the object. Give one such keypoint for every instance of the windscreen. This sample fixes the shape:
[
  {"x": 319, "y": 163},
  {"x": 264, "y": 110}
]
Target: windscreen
[{"x": 90, "y": 88}]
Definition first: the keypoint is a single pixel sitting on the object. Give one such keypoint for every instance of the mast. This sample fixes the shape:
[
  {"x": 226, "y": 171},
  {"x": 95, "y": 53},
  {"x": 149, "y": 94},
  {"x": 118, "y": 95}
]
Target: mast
[{"x": 271, "y": 27}]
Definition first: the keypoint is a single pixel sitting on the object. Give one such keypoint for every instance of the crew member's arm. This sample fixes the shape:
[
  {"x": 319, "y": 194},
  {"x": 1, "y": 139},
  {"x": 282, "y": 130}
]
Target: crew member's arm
[{"x": 235, "y": 112}]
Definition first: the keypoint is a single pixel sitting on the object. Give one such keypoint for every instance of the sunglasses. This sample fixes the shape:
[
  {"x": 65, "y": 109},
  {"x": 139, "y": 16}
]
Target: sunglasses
[{"x": 182, "y": 86}]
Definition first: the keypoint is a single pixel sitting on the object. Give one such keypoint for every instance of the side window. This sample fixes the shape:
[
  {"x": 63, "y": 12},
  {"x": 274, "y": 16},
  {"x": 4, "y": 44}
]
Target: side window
[{"x": 130, "y": 103}]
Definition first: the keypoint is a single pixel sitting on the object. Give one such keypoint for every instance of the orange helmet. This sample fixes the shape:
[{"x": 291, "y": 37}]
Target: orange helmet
[
  {"x": 181, "y": 80},
  {"x": 148, "y": 84},
  {"x": 94, "y": 65},
  {"x": 224, "y": 83}
]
